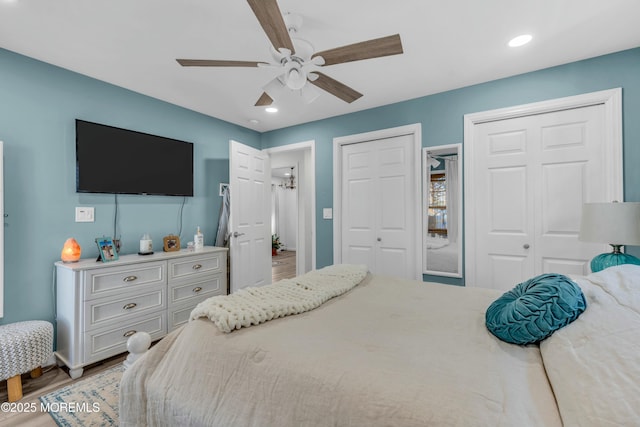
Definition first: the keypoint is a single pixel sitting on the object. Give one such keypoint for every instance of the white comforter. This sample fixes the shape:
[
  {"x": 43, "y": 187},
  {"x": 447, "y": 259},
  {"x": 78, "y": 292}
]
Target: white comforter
[
  {"x": 390, "y": 352},
  {"x": 594, "y": 363}
]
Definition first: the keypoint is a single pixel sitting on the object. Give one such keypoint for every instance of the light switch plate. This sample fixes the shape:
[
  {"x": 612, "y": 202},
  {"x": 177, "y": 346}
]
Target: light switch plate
[
  {"x": 327, "y": 213},
  {"x": 85, "y": 214}
]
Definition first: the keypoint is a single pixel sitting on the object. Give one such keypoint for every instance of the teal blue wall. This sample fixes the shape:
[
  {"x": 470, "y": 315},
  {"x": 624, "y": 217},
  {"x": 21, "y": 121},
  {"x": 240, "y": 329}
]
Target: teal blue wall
[
  {"x": 441, "y": 116},
  {"x": 38, "y": 107},
  {"x": 39, "y": 103}
]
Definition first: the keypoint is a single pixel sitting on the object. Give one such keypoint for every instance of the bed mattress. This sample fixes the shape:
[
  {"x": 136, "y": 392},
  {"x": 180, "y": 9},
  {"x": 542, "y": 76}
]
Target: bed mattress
[{"x": 389, "y": 352}]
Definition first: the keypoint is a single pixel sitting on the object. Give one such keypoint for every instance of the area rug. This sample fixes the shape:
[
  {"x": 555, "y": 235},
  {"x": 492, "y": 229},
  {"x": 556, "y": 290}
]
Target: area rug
[{"x": 89, "y": 402}]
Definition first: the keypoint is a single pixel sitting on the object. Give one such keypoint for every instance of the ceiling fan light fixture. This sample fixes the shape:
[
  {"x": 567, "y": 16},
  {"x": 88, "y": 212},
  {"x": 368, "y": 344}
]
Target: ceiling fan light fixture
[
  {"x": 297, "y": 58},
  {"x": 296, "y": 78}
]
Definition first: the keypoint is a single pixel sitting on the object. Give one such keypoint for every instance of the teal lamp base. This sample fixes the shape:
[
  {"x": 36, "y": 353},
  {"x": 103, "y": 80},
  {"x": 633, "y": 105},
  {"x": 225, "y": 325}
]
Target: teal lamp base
[{"x": 612, "y": 259}]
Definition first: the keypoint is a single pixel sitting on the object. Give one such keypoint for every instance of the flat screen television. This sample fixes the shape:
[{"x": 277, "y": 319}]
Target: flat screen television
[{"x": 120, "y": 161}]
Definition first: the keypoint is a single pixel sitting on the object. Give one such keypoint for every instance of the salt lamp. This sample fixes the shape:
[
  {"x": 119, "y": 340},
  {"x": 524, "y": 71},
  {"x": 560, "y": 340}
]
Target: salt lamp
[{"x": 70, "y": 251}]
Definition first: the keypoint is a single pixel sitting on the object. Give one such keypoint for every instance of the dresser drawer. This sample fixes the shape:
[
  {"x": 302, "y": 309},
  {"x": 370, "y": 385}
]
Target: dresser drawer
[
  {"x": 194, "y": 289},
  {"x": 101, "y": 311},
  {"x": 186, "y": 267},
  {"x": 104, "y": 343},
  {"x": 107, "y": 281},
  {"x": 180, "y": 316}
]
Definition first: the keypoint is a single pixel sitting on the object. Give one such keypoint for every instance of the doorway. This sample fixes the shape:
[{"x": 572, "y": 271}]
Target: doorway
[
  {"x": 296, "y": 229},
  {"x": 284, "y": 221}
]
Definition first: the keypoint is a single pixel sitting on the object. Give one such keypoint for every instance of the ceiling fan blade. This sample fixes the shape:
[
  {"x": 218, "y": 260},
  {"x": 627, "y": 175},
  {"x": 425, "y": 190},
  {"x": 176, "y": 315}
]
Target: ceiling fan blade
[
  {"x": 376, "y": 48},
  {"x": 272, "y": 22},
  {"x": 335, "y": 88},
  {"x": 217, "y": 63},
  {"x": 264, "y": 100}
]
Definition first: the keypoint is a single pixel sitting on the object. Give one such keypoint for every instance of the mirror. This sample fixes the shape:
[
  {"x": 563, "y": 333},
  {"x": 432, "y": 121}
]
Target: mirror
[{"x": 442, "y": 210}]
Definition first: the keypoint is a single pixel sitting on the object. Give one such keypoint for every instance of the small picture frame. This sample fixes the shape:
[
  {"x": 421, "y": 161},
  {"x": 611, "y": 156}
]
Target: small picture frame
[
  {"x": 171, "y": 243},
  {"x": 106, "y": 249}
]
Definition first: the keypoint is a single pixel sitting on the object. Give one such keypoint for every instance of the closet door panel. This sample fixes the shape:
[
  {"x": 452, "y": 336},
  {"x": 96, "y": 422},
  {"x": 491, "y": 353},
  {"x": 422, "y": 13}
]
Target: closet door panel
[{"x": 531, "y": 176}]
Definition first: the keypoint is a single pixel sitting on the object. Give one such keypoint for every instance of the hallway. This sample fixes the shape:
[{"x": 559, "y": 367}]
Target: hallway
[{"x": 283, "y": 266}]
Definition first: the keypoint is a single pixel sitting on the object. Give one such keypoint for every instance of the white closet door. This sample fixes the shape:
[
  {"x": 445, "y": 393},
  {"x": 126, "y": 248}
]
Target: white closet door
[
  {"x": 378, "y": 206},
  {"x": 532, "y": 175}
]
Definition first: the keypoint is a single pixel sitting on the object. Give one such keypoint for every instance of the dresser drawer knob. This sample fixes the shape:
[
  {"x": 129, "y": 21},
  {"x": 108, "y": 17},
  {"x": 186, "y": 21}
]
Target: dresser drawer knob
[
  {"x": 129, "y": 306},
  {"x": 197, "y": 266},
  {"x": 197, "y": 289},
  {"x": 129, "y": 333},
  {"x": 130, "y": 278}
]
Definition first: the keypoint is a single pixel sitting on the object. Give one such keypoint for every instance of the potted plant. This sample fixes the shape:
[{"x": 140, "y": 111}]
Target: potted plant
[{"x": 275, "y": 244}]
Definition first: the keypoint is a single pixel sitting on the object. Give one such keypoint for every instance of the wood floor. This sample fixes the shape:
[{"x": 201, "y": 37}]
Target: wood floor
[
  {"x": 53, "y": 378},
  {"x": 283, "y": 266}
]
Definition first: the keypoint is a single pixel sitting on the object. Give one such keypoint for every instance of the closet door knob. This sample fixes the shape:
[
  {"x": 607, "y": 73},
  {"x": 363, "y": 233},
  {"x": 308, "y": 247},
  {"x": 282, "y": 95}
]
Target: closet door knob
[
  {"x": 526, "y": 246},
  {"x": 379, "y": 239}
]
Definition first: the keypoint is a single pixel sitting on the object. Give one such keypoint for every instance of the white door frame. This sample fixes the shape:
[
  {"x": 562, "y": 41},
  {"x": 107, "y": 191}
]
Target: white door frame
[
  {"x": 612, "y": 101},
  {"x": 414, "y": 130},
  {"x": 301, "y": 240}
]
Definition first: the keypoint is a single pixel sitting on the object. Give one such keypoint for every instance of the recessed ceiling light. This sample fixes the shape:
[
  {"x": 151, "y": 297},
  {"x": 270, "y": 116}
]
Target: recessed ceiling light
[
  {"x": 520, "y": 40},
  {"x": 254, "y": 121},
  {"x": 271, "y": 110}
]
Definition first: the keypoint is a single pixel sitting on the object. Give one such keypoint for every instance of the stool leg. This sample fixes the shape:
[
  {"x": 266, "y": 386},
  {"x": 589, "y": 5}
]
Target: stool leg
[
  {"x": 36, "y": 372},
  {"x": 14, "y": 388}
]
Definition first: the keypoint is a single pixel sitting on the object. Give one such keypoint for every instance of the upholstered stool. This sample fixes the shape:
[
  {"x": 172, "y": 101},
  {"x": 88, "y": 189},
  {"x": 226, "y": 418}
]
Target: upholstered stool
[{"x": 24, "y": 347}]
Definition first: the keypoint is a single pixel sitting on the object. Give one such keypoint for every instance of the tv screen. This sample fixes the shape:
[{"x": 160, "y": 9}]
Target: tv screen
[{"x": 120, "y": 161}]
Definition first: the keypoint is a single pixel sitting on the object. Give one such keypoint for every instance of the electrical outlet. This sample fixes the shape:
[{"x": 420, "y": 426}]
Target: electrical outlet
[
  {"x": 85, "y": 214},
  {"x": 327, "y": 213}
]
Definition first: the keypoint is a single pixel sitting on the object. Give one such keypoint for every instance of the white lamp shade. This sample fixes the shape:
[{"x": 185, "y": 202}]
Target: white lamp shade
[{"x": 613, "y": 223}]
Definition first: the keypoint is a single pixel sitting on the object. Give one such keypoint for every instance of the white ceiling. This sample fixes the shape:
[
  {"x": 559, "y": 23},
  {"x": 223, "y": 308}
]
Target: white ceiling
[{"x": 447, "y": 45}]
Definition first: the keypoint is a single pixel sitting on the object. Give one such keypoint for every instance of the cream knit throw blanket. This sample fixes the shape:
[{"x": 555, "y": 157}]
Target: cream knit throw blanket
[{"x": 252, "y": 306}]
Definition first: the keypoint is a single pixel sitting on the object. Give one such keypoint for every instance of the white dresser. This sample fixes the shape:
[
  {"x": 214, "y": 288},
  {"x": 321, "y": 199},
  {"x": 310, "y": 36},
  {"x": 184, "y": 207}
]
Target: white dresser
[{"x": 100, "y": 305}]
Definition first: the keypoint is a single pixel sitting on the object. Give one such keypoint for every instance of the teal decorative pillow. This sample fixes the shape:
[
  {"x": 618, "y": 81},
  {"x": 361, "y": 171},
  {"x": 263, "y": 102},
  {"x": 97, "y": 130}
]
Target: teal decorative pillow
[{"x": 534, "y": 309}]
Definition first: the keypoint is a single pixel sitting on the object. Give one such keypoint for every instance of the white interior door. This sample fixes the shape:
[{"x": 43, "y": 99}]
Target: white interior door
[
  {"x": 249, "y": 218},
  {"x": 532, "y": 176},
  {"x": 378, "y": 206}
]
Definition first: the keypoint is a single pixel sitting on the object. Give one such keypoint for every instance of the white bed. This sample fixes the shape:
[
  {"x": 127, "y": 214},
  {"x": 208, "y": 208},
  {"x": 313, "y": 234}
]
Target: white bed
[{"x": 398, "y": 353}]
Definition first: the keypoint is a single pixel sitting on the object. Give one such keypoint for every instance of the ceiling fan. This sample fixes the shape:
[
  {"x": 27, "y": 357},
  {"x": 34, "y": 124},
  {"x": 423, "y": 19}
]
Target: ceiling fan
[{"x": 296, "y": 57}]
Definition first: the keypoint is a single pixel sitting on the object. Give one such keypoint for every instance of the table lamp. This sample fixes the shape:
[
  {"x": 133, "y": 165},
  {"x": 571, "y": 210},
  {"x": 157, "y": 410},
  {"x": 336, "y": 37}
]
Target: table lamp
[
  {"x": 616, "y": 223},
  {"x": 70, "y": 251}
]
